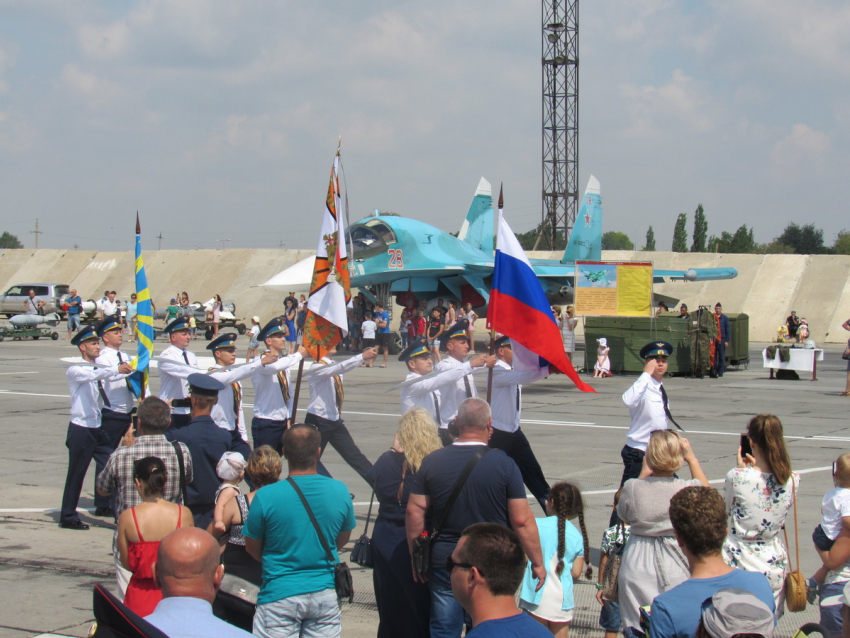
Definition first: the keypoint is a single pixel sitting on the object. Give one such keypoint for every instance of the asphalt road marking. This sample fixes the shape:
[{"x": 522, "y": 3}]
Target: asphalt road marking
[{"x": 30, "y": 510}]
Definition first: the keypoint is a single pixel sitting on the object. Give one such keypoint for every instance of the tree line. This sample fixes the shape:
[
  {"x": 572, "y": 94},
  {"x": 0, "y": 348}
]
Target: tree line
[{"x": 795, "y": 239}]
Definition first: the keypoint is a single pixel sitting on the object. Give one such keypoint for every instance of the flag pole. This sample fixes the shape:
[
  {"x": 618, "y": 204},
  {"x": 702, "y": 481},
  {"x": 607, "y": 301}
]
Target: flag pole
[
  {"x": 493, "y": 330},
  {"x": 297, "y": 391}
]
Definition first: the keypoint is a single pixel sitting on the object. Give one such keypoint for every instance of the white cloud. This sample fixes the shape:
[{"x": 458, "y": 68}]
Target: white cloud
[
  {"x": 663, "y": 111},
  {"x": 803, "y": 144},
  {"x": 95, "y": 90}
]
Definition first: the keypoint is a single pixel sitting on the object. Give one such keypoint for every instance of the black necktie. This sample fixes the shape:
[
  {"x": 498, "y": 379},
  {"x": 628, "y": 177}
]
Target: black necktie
[
  {"x": 102, "y": 392},
  {"x": 467, "y": 386},
  {"x": 186, "y": 358},
  {"x": 518, "y": 399},
  {"x": 436, "y": 406},
  {"x": 666, "y": 408}
]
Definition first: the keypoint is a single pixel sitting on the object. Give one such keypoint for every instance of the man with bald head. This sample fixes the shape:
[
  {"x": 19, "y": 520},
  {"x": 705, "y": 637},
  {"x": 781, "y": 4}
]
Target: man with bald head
[{"x": 188, "y": 572}]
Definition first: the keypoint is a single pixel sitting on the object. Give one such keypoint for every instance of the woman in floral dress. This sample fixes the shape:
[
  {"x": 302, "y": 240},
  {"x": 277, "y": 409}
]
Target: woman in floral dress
[{"x": 759, "y": 495}]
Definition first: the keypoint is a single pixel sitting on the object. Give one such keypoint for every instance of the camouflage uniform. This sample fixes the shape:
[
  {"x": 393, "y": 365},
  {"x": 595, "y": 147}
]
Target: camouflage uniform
[{"x": 702, "y": 330}]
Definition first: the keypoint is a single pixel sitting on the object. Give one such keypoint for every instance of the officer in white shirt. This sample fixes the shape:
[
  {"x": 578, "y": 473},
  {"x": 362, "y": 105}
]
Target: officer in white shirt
[
  {"x": 176, "y": 363},
  {"x": 273, "y": 395},
  {"x": 456, "y": 341},
  {"x": 647, "y": 403},
  {"x": 506, "y": 407},
  {"x": 85, "y": 437},
  {"x": 228, "y": 413},
  {"x": 325, "y": 409},
  {"x": 116, "y": 416},
  {"x": 426, "y": 393}
]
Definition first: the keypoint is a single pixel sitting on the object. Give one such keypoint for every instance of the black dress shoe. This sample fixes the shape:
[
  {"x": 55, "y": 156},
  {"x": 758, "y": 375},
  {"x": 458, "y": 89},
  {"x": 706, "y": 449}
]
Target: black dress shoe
[
  {"x": 104, "y": 511},
  {"x": 77, "y": 524}
]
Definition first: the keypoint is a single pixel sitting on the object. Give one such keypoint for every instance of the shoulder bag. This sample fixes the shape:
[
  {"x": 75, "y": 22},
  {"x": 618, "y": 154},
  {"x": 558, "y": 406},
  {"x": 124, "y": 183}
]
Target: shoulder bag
[
  {"x": 422, "y": 545},
  {"x": 343, "y": 583},
  {"x": 846, "y": 354},
  {"x": 361, "y": 553},
  {"x": 795, "y": 582}
]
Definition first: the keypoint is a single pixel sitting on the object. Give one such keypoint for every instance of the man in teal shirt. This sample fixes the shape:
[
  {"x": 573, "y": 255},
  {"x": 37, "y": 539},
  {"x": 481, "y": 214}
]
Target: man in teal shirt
[{"x": 298, "y": 595}]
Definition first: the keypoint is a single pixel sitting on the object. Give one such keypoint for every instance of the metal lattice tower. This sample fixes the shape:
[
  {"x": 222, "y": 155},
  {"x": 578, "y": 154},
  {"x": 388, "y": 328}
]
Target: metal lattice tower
[{"x": 560, "y": 116}]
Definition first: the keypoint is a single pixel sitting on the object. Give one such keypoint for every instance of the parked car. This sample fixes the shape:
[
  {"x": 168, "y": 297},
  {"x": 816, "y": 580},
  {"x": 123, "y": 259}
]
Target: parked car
[{"x": 12, "y": 301}]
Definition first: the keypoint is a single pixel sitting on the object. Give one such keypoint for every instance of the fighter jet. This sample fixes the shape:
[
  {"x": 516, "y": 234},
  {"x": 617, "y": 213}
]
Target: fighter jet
[{"x": 407, "y": 257}]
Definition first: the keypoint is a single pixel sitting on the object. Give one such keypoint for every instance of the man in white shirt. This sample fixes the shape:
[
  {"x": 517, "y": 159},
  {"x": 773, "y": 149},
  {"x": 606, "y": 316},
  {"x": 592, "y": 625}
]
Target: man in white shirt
[
  {"x": 647, "y": 403},
  {"x": 325, "y": 409},
  {"x": 109, "y": 307},
  {"x": 426, "y": 393},
  {"x": 273, "y": 395},
  {"x": 116, "y": 415},
  {"x": 176, "y": 363},
  {"x": 506, "y": 407},
  {"x": 33, "y": 304},
  {"x": 456, "y": 342},
  {"x": 85, "y": 436},
  {"x": 228, "y": 413}
]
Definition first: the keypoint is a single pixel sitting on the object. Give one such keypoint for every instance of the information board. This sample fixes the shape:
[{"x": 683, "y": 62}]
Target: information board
[{"x": 613, "y": 288}]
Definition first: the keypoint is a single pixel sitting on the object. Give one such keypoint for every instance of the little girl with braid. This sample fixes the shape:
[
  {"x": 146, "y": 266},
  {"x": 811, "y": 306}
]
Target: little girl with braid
[{"x": 565, "y": 553}]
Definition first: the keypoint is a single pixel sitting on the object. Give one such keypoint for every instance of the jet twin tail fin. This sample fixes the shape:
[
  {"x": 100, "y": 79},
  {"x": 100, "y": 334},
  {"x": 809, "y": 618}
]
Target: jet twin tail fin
[
  {"x": 477, "y": 228},
  {"x": 586, "y": 239}
]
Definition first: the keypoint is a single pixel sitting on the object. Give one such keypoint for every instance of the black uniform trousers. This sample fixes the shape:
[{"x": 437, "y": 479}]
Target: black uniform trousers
[
  {"x": 335, "y": 433},
  {"x": 114, "y": 425},
  {"x": 83, "y": 444},
  {"x": 268, "y": 432},
  {"x": 179, "y": 420},
  {"x": 632, "y": 465},
  {"x": 516, "y": 446}
]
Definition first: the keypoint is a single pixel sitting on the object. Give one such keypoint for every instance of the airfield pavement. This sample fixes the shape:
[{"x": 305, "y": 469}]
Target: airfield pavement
[{"x": 47, "y": 573}]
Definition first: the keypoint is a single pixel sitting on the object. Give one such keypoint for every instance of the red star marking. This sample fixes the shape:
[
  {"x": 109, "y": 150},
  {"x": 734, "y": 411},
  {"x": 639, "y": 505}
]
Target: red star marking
[{"x": 587, "y": 219}]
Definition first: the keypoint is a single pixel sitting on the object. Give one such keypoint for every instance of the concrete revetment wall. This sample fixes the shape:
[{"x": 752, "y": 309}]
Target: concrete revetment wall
[{"x": 767, "y": 288}]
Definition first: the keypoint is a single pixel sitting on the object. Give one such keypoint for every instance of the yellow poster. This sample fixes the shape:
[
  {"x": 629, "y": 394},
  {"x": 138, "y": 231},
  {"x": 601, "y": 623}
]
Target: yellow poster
[{"x": 613, "y": 288}]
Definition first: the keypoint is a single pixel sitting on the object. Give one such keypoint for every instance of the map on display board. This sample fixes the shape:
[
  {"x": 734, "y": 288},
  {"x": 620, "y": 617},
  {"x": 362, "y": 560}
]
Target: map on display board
[{"x": 613, "y": 288}]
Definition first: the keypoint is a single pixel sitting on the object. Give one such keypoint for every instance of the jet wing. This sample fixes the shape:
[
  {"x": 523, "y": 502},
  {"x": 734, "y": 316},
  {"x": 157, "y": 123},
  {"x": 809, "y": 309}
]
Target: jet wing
[
  {"x": 551, "y": 268},
  {"x": 694, "y": 274}
]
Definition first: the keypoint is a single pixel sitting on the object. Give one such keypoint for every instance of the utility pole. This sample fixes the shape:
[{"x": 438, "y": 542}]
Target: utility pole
[
  {"x": 36, "y": 232},
  {"x": 159, "y": 246},
  {"x": 223, "y": 243}
]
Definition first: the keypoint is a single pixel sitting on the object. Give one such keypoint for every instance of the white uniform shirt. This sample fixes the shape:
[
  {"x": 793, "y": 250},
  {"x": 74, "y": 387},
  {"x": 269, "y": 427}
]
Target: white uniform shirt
[
  {"x": 453, "y": 394},
  {"x": 117, "y": 391},
  {"x": 86, "y": 402},
  {"x": 322, "y": 390},
  {"x": 646, "y": 408},
  {"x": 223, "y": 412},
  {"x": 426, "y": 394},
  {"x": 172, "y": 378},
  {"x": 268, "y": 397},
  {"x": 506, "y": 398}
]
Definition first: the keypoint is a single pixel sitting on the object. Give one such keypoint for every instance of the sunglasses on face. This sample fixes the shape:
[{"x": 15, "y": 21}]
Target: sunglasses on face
[{"x": 450, "y": 565}]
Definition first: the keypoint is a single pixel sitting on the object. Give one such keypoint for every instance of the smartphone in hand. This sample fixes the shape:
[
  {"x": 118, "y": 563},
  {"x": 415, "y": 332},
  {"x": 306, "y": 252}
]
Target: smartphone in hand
[{"x": 745, "y": 446}]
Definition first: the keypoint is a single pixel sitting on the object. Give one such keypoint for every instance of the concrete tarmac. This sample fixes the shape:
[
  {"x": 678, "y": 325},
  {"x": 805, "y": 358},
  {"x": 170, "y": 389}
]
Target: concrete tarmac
[{"x": 48, "y": 573}]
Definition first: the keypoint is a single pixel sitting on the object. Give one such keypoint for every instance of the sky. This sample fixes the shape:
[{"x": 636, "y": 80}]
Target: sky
[{"x": 218, "y": 120}]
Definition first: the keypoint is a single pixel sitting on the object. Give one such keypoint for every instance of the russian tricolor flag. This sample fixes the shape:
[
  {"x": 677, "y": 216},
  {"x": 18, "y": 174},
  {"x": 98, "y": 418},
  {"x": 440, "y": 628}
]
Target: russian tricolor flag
[{"x": 519, "y": 309}]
